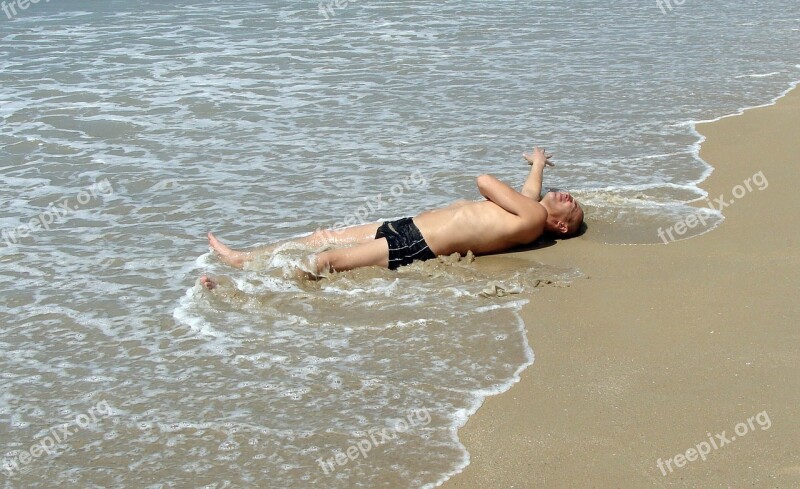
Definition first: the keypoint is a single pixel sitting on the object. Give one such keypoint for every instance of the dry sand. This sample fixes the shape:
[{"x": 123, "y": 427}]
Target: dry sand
[{"x": 663, "y": 344}]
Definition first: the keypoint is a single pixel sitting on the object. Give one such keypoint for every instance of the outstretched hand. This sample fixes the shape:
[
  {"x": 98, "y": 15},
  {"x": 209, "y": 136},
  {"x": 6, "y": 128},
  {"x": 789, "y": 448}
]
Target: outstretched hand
[{"x": 538, "y": 157}]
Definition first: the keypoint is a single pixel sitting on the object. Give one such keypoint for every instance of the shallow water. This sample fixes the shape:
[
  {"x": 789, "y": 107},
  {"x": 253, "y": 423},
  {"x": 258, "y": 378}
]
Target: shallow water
[{"x": 145, "y": 125}]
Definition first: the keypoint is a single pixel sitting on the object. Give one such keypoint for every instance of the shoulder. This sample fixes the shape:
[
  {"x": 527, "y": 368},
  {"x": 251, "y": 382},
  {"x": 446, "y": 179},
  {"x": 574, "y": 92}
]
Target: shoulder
[
  {"x": 537, "y": 212},
  {"x": 535, "y": 217}
]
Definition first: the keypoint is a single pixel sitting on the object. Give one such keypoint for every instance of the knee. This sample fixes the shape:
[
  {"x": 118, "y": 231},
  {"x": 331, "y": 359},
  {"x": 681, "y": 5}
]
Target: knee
[
  {"x": 335, "y": 260},
  {"x": 317, "y": 237},
  {"x": 322, "y": 262},
  {"x": 322, "y": 237},
  {"x": 313, "y": 267}
]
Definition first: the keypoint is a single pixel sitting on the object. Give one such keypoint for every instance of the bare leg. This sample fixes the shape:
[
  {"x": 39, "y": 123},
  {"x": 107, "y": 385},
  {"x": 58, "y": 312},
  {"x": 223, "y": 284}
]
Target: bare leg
[
  {"x": 227, "y": 255},
  {"x": 348, "y": 236},
  {"x": 373, "y": 253}
]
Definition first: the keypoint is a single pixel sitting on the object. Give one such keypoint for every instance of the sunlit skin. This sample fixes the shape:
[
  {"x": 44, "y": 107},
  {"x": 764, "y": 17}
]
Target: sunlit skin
[{"x": 504, "y": 219}]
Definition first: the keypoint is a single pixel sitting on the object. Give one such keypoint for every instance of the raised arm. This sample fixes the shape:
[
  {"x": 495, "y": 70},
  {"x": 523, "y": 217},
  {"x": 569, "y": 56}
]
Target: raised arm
[
  {"x": 507, "y": 198},
  {"x": 538, "y": 160}
]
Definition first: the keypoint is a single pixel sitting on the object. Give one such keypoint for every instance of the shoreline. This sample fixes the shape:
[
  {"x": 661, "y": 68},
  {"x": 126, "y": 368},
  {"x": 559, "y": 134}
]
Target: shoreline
[{"x": 676, "y": 341}]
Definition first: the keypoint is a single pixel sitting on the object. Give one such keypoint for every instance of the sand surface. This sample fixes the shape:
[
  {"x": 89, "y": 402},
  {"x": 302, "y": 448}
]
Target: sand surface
[{"x": 661, "y": 346}]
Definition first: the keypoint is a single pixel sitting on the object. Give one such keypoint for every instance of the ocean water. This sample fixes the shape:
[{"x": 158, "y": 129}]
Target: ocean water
[{"x": 129, "y": 129}]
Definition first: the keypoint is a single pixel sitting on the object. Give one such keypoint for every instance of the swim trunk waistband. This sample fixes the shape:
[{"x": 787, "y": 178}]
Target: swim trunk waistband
[{"x": 406, "y": 243}]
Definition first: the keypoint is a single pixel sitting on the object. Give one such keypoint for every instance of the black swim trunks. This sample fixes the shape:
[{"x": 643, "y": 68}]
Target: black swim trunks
[{"x": 406, "y": 243}]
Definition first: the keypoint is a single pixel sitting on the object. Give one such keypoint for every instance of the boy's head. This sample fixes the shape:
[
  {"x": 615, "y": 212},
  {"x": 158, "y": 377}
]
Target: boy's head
[{"x": 564, "y": 214}]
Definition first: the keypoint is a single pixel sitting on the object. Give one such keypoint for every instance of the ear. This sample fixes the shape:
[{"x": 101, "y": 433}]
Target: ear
[{"x": 562, "y": 227}]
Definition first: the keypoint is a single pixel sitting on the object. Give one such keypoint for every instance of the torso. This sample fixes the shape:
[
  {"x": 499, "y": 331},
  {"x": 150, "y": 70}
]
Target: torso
[{"x": 480, "y": 226}]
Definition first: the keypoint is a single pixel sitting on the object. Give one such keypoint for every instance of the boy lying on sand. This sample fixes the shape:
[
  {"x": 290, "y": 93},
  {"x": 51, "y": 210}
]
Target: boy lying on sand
[{"x": 506, "y": 219}]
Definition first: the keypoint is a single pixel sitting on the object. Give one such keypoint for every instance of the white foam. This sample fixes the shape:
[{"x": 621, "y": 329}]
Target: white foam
[{"x": 759, "y": 75}]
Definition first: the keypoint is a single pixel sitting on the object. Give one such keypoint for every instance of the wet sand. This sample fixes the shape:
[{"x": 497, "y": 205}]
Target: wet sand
[{"x": 661, "y": 346}]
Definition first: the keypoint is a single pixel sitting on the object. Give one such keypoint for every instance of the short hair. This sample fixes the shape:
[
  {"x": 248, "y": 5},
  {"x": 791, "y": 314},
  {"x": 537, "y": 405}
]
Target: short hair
[{"x": 577, "y": 226}]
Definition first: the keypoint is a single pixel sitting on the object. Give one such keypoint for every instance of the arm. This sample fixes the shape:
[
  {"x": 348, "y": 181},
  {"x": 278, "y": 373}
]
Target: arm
[
  {"x": 506, "y": 197},
  {"x": 538, "y": 160}
]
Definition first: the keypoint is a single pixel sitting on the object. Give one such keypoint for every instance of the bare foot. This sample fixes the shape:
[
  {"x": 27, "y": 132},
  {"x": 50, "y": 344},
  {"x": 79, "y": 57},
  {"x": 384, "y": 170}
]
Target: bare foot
[
  {"x": 227, "y": 255},
  {"x": 208, "y": 282}
]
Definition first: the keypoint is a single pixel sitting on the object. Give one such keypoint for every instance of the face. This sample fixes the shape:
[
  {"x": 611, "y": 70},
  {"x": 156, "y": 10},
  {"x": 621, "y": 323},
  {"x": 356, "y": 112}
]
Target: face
[{"x": 561, "y": 206}]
